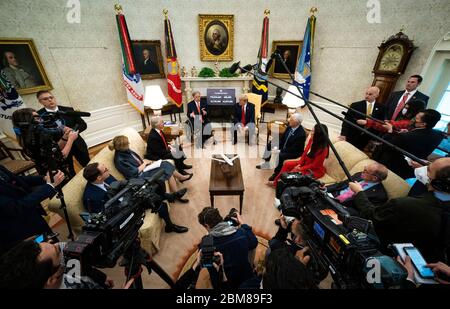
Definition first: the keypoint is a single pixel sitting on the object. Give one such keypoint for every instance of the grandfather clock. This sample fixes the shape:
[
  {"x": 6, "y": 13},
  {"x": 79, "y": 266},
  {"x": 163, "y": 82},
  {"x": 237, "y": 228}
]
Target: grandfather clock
[{"x": 392, "y": 60}]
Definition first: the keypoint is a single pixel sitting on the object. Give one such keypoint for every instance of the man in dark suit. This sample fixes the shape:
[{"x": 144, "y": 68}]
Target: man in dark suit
[
  {"x": 244, "y": 118},
  {"x": 20, "y": 206},
  {"x": 368, "y": 107},
  {"x": 370, "y": 179},
  {"x": 96, "y": 195},
  {"x": 79, "y": 149},
  {"x": 147, "y": 65},
  {"x": 420, "y": 141},
  {"x": 159, "y": 149},
  {"x": 197, "y": 115},
  {"x": 417, "y": 220},
  {"x": 291, "y": 145},
  {"x": 398, "y": 99}
]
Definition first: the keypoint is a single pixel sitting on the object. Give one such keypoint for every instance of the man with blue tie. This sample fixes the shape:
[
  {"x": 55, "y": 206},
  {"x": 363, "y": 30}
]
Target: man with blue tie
[
  {"x": 96, "y": 195},
  {"x": 244, "y": 118},
  {"x": 291, "y": 145}
]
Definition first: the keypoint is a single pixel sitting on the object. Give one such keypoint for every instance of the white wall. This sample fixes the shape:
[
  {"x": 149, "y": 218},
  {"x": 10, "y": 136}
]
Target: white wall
[{"x": 83, "y": 60}]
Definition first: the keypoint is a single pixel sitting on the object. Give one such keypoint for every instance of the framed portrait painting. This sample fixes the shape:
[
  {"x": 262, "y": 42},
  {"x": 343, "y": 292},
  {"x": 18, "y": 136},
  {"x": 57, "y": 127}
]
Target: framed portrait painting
[
  {"x": 148, "y": 58},
  {"x": 289, "y": 51},
  {"x": 216, "y": 37},
  {"x": 21, "y": 64}
]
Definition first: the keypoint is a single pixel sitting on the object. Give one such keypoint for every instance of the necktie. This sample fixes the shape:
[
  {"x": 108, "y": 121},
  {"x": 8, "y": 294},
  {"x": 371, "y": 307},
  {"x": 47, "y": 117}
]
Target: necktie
[
  {"x": 243, "y": 116},
  {"x": 400, "y": 106},
  {"x": 199, "y": 111},
  {"x": 369, "y": 109},
  {"x": 287, "y": 138},
  {"x": 163, "y": 138}
]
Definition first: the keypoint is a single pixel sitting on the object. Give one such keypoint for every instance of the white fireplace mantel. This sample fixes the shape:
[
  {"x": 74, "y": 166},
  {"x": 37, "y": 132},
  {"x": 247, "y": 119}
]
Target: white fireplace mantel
[{"x": 241, "y": 84}]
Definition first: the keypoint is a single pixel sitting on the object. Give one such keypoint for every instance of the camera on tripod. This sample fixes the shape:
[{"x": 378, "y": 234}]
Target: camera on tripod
[
  {"x": 344, "y": 245},
  {"x": 110, "y": 234}
]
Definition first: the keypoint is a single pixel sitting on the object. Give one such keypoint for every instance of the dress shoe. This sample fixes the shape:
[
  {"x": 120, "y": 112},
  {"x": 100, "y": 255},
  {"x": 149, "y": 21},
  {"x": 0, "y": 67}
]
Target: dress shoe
[
  {"x": 183, "y": 200},
  {"x": 186, "y": 166},
  {"x": 180, "y": 193},
  {"x": 272, "y": 178},
  {"x": 183, "y": 172},
  {"x": 264, "y": 166},
  {"x": 190, "y": 176},
  {"x": 175, "y": 228},
  {"x": 278, "y": 222}
]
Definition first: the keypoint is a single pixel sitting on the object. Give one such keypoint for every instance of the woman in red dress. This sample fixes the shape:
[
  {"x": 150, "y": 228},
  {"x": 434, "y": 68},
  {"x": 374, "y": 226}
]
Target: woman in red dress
[{"x": 311, "y": 162}]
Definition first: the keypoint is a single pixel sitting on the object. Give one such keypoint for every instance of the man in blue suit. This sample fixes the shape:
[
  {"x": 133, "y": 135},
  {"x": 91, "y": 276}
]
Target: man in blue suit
[
  {"x": 291, "y": 145},
  {"x": 96, "y": 195},
  {"x": 244, "y": 118},
  {"x": 198, "y": 119},
  {"x": 20, "y": 206}
]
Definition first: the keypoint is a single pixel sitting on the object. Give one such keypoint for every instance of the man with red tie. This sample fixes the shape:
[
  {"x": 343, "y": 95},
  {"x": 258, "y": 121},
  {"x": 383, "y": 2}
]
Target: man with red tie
[
  {"x": 398, "y": 99},
  {"x": 244, "y": 118},
  {"x": 159, "y": 149},
  {"x": 197, "y": 115}
]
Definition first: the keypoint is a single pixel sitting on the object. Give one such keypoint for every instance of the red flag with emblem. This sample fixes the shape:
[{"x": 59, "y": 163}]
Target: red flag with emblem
[{"x": 173, "y": 69}]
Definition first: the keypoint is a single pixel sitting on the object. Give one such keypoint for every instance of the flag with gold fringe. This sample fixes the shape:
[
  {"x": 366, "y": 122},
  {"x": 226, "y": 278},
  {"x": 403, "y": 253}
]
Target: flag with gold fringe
[
  {"x": 173, "y": 69},
  {"x": 303, "y": 71},
  {"x": 132, "y": 80},
  {"x": 260, "y": 85},
  {"x": 10, "y": 101}
]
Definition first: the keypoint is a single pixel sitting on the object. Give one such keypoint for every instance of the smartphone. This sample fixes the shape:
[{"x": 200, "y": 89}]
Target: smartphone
[{"x": 419, "y": 262}]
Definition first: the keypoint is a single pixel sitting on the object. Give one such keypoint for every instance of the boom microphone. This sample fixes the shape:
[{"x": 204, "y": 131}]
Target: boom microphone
[{"x": 73, "y": 113}]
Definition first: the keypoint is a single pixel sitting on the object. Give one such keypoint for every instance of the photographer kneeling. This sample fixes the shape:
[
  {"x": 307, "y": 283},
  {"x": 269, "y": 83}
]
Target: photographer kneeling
[
  {"x": 234, "y": 240},
  {"x": 96, "y": 195},
  {"x": 39, "y": 138},
  {"x": 32, "y": 265}
]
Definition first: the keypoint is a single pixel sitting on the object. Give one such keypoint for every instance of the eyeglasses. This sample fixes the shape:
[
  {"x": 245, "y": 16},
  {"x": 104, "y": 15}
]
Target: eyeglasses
[{"x": 47, "y": 98}]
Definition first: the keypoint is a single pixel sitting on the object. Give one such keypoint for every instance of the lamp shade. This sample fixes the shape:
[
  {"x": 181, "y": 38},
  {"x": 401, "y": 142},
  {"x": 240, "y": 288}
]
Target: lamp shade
[
  {"x": 154, "y": 97},
  {"x": 292, "y": 101}
]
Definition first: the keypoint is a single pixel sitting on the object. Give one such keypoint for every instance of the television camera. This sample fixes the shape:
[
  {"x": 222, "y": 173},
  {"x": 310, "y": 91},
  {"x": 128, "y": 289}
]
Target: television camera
[
  {"x": 114, "y": 232},
  {"x": 344, "y": 245}
]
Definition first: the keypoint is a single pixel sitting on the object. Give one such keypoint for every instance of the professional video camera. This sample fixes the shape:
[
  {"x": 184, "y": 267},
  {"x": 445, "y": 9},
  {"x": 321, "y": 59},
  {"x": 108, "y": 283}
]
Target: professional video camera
[
  {"x": 114, "y": 232},
  {"x": 207, "y": 248},
  {"x": 346, "y": 246}
]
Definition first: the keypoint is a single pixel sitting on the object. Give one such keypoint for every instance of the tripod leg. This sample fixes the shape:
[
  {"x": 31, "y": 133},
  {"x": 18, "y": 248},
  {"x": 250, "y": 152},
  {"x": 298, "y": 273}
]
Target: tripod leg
[{"x": 161, "y": 273}]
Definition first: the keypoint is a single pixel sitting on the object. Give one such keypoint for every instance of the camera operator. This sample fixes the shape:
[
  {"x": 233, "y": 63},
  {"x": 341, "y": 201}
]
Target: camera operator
[
  {"x": 298, "y": 235},
  {"x": 33, "y": 136},
  {"x": 200, "y": 277},
  {"x": 420, "y": 220},
  {"x": 32, "y": 265},
  {"x": 234, "y": 240},
  {"x": 80, "y": 149},
  {"x": 21, "y": 211},
  {"x": 96, "y": 195}
]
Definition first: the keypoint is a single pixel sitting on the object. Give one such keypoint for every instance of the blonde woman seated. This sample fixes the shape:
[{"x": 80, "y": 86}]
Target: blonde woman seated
[{"x": 131, "y": 165}]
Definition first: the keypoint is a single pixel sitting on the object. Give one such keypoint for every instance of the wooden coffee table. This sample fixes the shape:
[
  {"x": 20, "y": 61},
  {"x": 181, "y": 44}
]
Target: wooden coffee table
[{"x": 226, "y": 179}]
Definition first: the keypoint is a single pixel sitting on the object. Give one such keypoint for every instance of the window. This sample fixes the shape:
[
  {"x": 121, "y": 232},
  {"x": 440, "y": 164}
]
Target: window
[{"x": 444, "y": 109}]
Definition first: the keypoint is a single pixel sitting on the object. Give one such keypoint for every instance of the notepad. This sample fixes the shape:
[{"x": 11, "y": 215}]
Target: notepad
[{"x": 152, "y": 166}]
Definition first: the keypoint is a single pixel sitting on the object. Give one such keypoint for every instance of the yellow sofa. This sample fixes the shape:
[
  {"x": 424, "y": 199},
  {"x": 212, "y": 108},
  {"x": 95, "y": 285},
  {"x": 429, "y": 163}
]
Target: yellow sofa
[{"x": 73, "y": 195}]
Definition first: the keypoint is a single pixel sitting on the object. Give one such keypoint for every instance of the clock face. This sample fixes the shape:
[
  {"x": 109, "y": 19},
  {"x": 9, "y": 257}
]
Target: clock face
[{"x": 391, "y": 58}]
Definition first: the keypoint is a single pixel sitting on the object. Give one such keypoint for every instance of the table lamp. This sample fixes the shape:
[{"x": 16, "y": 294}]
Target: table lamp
[
  {"x": 155, "y": 99},
  {"x": 291, "y": 101}
]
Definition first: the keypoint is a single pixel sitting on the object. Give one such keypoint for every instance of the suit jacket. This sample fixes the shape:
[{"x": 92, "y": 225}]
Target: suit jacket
[
  {"x": 192, "y": 107},
  {"x": 393, "y": 99},
  {"x": 377, "y": 194},
  {"x": 419, "y": 142},
  {"x": 127, "y": 164},
  {"x": 296, "y": 142},
  {"x": 353, "y": 135},
  {"x": 70, "y": 121},
  {"x": 407, "y": 219},
  {"x": 20, "y": 208},
  {"x": 156, "y": 149},
  {"x": 149, "y": 68},
  {"x": 94, "y": 197},
  {"x": 249, "y": 113}
]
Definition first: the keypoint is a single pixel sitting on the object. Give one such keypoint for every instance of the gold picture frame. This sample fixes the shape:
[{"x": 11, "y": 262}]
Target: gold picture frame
[
  {"x": 216, "y": 37},
  {"x": 21, "y": 64},
  {"x": 151, "y": 68},
  {"x": 290, "y": 51}
]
